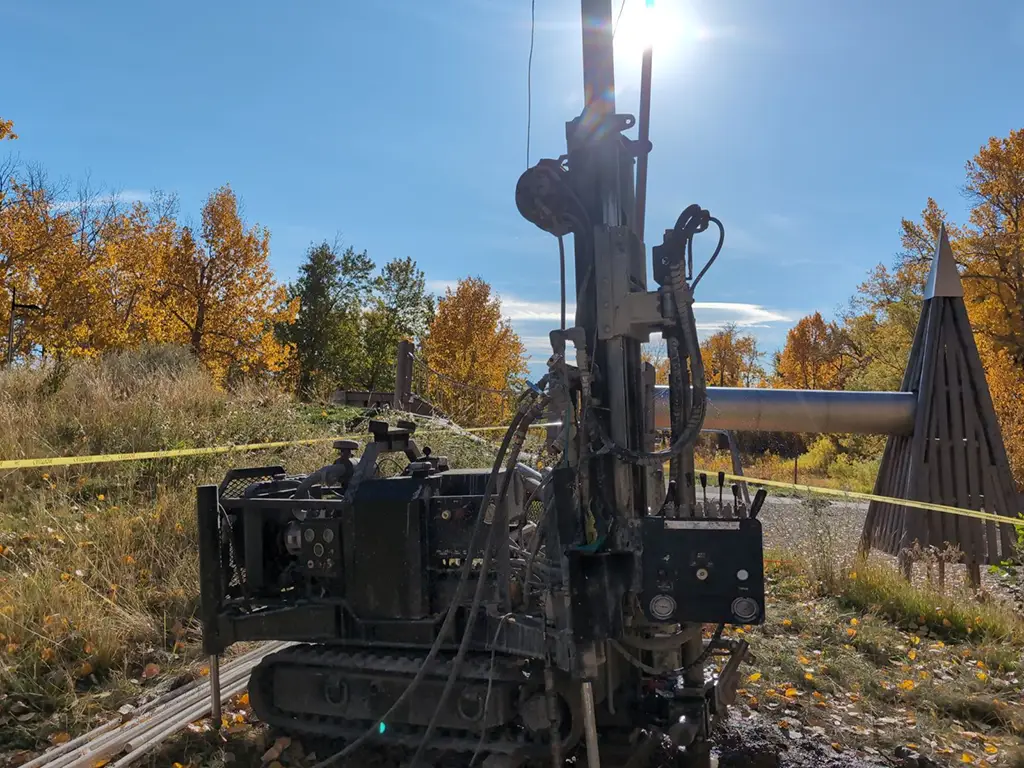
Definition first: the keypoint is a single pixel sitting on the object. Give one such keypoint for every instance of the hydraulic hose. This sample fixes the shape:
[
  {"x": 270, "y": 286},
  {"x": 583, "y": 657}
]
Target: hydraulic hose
[{"x": 457, "y": 598}]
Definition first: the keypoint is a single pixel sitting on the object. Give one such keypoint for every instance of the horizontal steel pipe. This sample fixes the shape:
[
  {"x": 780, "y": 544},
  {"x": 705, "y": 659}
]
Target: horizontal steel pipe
[{"x": 797, "y": 410}]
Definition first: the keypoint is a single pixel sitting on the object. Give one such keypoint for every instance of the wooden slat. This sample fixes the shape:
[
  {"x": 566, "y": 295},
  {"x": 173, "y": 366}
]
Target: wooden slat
[
  {"x": 975, "y": 448},
  {"x": 957, "y": 530},
  {"x": 945, "y": 530},
  {"x": 917, "y": 527},
  {"x": 968, "y": 532},
  {"x": 896, "y": 517},
  {"x": 1005, "y": 486}
]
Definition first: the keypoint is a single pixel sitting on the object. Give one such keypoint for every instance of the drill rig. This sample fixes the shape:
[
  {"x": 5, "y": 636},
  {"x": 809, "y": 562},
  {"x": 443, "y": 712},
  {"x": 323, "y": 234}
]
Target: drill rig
[{"x": 502, "y": 615}]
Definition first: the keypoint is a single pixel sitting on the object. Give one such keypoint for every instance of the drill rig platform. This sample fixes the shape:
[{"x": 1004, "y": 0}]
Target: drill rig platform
[{"x": 501, "y": 616}]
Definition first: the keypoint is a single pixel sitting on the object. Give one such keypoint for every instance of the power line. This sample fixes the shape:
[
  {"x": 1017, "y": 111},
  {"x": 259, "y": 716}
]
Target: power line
[
  {"x": 618, "y": 17},
  {"x": 529, "y": 78}
]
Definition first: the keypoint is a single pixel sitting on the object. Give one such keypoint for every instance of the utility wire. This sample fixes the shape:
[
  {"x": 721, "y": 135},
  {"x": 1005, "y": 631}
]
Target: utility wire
[
  {"x": 529, "y": 78},
  {"x": 618, "y": 18}
]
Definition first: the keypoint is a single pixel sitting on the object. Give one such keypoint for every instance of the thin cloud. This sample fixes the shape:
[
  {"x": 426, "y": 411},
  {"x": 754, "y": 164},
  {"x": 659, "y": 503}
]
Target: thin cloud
[{"x": 440, "y": 287}]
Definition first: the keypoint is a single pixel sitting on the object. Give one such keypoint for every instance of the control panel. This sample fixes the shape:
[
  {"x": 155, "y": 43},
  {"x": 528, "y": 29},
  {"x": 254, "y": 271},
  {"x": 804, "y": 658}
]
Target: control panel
[{"x": 704, "y": 570}]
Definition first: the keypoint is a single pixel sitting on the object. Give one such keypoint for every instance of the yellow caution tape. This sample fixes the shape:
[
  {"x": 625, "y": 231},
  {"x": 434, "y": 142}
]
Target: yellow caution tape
[
  {"x": 105, "y": 458},
  {"x": 857, "y": 496},
  {"x": 544, "y": 425}
]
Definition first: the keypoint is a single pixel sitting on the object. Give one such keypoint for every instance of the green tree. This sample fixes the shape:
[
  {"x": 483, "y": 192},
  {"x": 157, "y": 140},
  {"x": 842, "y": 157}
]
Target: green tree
[
  {"x": 326, "y": 333},
  {"x": 400, "y": 308}
]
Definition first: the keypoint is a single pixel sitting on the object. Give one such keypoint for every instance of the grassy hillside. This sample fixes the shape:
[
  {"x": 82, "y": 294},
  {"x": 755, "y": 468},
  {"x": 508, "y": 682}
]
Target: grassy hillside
[
  {"x": 98, "y": 583},
  {"x": 98, "y": 571}
]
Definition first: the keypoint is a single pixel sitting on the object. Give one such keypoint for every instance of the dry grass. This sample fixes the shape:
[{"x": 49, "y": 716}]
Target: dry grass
[
  {"x": 98, "y": 579},
  {"x": 818, "y": 466},
  {"x": 98, "y": 572},
  {"x": 853, "y": 653}
]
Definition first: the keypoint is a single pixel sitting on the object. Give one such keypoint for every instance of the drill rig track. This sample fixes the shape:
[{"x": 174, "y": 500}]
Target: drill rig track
[{"x": 337, "y": 693}]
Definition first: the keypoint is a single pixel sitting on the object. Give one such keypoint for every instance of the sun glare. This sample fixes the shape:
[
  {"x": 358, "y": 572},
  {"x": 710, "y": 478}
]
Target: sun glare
[{"x": 643, "y": 23}]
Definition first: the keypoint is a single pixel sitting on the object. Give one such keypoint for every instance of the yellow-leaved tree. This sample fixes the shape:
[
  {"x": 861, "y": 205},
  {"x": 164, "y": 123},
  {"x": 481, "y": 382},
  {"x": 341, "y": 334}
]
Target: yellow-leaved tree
[
  {"x": 475, "y": 355},
  {"x": 814, "y": 357},
  {"x": 7, "y": 130},
  {"x": 731, "y": 359},
  {"x": 219, "y": 295},
  {"x": 989, "y": 250}
]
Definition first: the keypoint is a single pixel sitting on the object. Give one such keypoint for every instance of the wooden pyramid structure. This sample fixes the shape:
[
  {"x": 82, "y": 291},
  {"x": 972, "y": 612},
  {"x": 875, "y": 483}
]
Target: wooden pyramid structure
[{"x": 955, "y": 455}]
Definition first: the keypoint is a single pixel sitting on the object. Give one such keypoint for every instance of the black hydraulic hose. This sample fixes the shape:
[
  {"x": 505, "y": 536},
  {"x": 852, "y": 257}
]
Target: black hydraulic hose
[
  {"x": 449, "y": 619},
  {"x": 690, "y": 429},
  {"x": 481, "y": 584}
]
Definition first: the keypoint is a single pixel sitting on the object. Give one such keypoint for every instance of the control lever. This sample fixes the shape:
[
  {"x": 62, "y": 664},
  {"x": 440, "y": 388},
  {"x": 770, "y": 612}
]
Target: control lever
[
  {"x": 736, "y": 500},
  {"x": 755, "y": 505},
  {"x": 721, "y": 488},
  {"x": 704, "y": 488}
]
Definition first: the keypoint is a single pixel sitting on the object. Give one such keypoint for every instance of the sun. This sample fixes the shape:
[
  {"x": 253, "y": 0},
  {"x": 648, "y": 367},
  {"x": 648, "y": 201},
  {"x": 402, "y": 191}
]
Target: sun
[{"x": 644, "y": 23}]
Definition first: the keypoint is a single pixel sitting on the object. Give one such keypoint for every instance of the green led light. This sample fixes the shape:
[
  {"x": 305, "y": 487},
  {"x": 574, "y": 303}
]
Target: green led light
[{"x": 381, "y": 728}]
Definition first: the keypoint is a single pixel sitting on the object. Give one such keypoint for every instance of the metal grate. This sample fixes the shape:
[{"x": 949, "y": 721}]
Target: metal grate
[{"x": 237, "y": 480}]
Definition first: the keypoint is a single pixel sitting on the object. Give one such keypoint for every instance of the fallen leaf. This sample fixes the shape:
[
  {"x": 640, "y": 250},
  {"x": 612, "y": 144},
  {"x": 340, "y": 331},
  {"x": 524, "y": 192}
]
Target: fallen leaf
[
  {"x": 754, "y": 677},
  {"x": 280, "y": 745},
  {"x": 60, "y": 738},
  {"x": 837, "y": 746},
  {"x": 150, "y": 671}
]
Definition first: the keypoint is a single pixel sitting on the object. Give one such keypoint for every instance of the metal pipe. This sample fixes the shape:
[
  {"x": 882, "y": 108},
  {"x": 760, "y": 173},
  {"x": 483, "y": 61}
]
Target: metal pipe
[
  {"x": 215, "y": 713},
  {"x": 643, "y": 157},
  {"x": 83, "y": 751},
  {"x": 795, "y": 410},
  {"x": 590, "y": 725}
]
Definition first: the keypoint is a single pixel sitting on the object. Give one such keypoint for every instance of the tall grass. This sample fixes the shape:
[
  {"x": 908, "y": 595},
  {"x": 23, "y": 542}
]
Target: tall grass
[
  {"x": 98, "y": 565},
  {"x": 98, "y": 574}
]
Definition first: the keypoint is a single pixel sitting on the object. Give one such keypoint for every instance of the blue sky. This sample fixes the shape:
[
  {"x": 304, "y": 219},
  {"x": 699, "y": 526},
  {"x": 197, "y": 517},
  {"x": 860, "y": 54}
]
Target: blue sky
[{"x": 809, "y": 127}]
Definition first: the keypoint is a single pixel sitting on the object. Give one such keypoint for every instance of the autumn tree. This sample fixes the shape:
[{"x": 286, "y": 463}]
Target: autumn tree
[
  {"x": 731, "y": 358},
  {"x": 475, "y": 354},
  {"x": 656, "y": 355},
  {"x": 814, "y": 357},
  {"x": 219, "y": 295},
  {"x": 400, "y": 308},
  {"x": 330, "y": 291},
  {"x": 7, "y": 130},
  {"x": 989, "y": 250}
]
